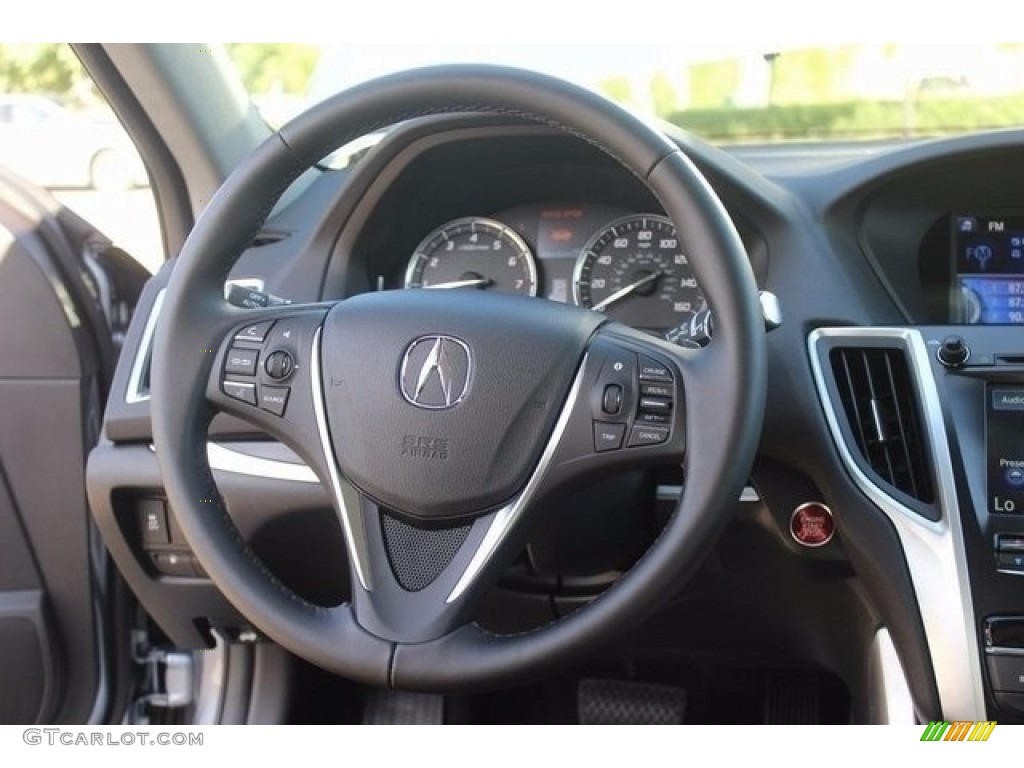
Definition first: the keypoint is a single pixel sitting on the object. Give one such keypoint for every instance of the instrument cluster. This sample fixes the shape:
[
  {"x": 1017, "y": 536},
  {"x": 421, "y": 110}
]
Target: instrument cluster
[{"x": 627, "y": 264}]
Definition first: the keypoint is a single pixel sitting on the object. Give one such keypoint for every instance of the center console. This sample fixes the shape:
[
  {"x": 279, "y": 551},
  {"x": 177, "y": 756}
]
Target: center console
[
  {"x": 946, "y": 401},
  {"x": 984, "y": 409}
]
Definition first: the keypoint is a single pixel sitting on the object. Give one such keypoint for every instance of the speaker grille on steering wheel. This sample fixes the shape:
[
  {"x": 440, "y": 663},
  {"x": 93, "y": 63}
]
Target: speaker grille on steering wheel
[{"x": 418, "y": 555}]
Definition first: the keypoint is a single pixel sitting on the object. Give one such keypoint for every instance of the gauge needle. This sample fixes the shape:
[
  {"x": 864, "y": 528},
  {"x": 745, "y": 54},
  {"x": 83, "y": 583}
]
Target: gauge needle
[
  {"x": 624, "y": 292},
  {"x": 476, "y": 282}
]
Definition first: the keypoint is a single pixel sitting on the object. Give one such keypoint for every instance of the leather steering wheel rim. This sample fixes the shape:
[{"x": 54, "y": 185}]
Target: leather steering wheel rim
[{"x": 721, "y": 440}]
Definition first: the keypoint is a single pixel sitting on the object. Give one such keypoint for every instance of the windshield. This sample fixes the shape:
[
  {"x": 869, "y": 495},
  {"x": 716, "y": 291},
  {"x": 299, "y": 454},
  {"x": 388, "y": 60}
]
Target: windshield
[{"x": 724, "y": 93}]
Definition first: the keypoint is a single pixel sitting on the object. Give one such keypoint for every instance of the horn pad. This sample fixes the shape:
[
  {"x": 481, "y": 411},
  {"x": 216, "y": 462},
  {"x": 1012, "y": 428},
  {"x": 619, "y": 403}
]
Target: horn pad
[{"x": 439, "y": 403}]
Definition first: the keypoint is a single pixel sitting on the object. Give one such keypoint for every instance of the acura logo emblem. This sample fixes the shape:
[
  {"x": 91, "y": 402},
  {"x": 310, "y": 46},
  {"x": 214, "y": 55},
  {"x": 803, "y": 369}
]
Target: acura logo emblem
[{"x": 435, "y": 372}]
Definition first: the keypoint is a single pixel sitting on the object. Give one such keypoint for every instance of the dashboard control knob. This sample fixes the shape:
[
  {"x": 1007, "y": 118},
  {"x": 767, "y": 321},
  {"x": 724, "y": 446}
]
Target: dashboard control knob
[
  {"x": 279, "y": 365},
  {"x": 953, "y": 352}
]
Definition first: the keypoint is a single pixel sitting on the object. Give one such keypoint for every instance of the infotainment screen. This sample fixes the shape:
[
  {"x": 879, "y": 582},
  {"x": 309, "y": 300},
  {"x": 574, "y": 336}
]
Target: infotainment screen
[{"x": 988, "y": 270}]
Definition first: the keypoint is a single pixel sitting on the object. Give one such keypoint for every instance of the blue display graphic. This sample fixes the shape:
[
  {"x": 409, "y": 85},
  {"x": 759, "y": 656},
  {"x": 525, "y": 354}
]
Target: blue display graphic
[
  {"x": 988, "y": 264},
  {"x": 996, "y": 300}
]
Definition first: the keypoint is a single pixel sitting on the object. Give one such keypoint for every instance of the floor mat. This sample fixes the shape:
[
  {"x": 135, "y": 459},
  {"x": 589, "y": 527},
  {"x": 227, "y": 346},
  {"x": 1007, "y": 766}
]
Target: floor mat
[{"x": 626, "y": 702}]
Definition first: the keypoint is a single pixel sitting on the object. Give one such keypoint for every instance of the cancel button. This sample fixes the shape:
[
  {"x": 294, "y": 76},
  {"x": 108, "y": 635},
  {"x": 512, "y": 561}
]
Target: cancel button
[{"x": 643, "y": 435}]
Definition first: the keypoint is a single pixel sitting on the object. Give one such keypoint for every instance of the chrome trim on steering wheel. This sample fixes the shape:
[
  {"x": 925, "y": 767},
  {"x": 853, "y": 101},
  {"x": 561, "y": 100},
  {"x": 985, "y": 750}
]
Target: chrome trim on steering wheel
[
  {"x": 134, "y": 393},
  {"x": 345, "y": 496},
  {"x": 506, "y": 517}
]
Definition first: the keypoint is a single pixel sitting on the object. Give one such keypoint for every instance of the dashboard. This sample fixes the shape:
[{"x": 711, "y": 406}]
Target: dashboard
[{"x": 882, "y": 261}]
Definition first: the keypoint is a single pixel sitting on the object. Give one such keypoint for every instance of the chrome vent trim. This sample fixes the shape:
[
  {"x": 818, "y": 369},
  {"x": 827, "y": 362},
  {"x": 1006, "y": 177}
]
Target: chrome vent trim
[
  {"x": 934, "y": 550},
  {"x": 889, "y": 699}
]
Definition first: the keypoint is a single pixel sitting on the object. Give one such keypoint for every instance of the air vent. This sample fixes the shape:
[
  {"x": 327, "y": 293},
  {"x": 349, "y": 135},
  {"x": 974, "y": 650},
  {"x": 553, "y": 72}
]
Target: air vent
[{"x": 877, "y": 392}]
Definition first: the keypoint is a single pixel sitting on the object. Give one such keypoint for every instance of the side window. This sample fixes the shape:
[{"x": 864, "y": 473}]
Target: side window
[{"x": 58, "y": 132}]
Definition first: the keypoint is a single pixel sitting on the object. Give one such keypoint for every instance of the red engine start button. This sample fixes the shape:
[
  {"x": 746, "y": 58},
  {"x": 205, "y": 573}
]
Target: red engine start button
[{"x": 812, "y": 524}]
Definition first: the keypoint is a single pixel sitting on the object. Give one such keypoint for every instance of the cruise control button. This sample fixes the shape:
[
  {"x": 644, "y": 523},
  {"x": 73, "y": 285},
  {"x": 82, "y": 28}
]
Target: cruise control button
[
  {"x": 240, "y": 390},
  {"x": 274, "y": 399},
  {"x": 608, "y": 437},
  {"x": 652, "y": 370},
  {"x": 644, "y": 435},
  {"x": 241, "y": 361},
  {"x": 256, "y": 332},
  {"x": 655, "y": 405},
  {"x": 657, "y": 390}
]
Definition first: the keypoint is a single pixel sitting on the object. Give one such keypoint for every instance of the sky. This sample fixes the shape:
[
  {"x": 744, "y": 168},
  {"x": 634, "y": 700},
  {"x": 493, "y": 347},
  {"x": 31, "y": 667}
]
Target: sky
[{"x": 481, "y": 22}]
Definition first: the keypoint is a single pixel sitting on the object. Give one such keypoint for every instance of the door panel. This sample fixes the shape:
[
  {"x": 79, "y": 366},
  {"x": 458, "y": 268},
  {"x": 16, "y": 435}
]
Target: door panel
[{"x": 54, "y": 350}]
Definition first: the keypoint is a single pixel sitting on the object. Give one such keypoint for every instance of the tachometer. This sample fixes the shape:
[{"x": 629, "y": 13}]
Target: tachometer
[
  {"x": 634, "y": 270},
  {"x": 473, "y": 253}
]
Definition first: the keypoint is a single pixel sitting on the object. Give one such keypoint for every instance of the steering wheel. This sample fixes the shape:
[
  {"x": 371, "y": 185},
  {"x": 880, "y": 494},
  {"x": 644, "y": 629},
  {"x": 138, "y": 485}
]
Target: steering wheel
[{"x": 438, "y": 420}]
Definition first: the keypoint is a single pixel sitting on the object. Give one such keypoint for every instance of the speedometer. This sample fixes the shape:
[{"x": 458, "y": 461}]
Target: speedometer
[
  {"x": 473, "y": 253},
  {"x": 635, "y": 271}
]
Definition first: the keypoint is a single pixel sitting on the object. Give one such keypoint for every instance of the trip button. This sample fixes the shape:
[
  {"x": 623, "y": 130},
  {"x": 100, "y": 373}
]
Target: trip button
[
  {"x": 256, "y": 332},
  {"x": 608, "y": 437},
  {"x": 652, "y": 370},
  {"x": 241, "y": 361},
  {"x": 240, "y": 390},
  {"x": 274, "y": 399},
  {"x": 640, "y": 436}
]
